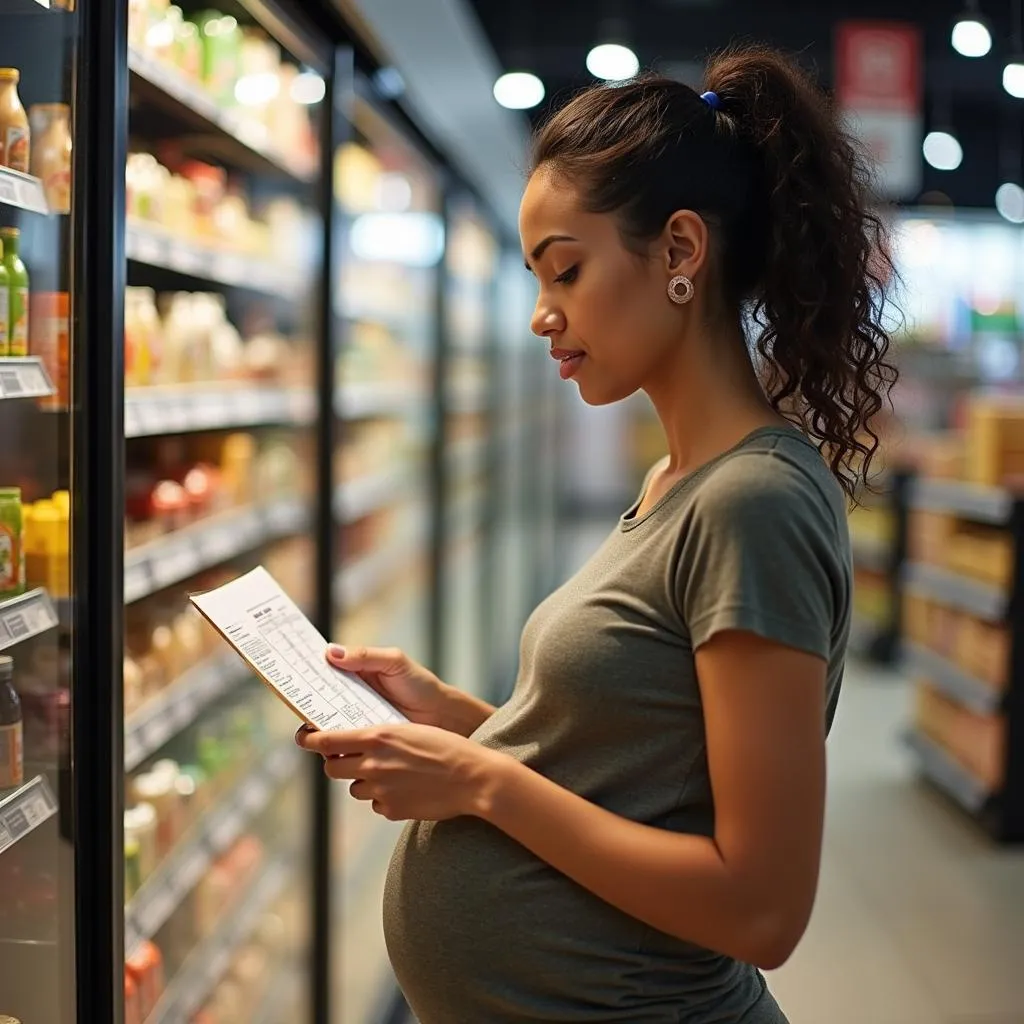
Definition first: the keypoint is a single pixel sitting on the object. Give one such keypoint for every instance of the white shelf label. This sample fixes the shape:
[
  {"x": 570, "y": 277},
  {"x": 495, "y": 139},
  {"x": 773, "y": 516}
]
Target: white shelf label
[
  {"x": 22, "y": 190},
  {"x": 26, "y": 616},
  {"x": 24, "y": 378},
  {"x": 24, "y": 810}
]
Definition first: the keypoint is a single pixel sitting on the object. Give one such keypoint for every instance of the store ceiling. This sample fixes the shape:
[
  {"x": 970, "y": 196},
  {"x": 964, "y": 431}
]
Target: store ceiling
[{"x": 552, "y": 37}]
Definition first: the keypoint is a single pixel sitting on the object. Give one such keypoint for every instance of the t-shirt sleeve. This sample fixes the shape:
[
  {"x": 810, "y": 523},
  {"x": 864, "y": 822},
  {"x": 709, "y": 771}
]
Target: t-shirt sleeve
[{"x": 761, "y": 553}]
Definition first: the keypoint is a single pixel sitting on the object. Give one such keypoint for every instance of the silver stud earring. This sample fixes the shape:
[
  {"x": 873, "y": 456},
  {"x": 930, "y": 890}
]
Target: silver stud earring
[{"x": 680, "y": 289}]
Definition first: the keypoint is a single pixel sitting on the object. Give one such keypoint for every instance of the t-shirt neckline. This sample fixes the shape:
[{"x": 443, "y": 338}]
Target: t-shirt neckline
[{"x": 629, "y": 520}]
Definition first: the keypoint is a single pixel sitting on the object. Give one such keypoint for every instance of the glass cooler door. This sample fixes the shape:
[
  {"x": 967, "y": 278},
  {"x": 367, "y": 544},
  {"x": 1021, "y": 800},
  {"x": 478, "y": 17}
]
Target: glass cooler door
[
  {"x": 38, "y": 123},
  {"x": 470, "y": 263},
  {"x": 224, "y": 243},
  {"x": 391, "y": 241}
]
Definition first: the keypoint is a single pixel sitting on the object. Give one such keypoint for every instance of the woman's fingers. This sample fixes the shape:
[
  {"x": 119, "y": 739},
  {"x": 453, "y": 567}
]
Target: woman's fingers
[{"x": 365, "y": 659}]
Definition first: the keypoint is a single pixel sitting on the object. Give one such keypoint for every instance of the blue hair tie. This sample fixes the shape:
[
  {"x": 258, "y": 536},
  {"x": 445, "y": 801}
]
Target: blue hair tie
[{"x": 711, "y": 99}]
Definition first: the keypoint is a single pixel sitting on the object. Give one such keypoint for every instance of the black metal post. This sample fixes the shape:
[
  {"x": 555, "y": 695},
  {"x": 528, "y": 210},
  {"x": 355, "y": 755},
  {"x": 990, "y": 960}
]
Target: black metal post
[{"x": 98, "y": 488}]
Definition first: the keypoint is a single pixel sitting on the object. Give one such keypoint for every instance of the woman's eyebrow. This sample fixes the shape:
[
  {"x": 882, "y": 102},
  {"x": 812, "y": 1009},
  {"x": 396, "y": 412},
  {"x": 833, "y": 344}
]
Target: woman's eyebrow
[{"x": 541, "y": 247}]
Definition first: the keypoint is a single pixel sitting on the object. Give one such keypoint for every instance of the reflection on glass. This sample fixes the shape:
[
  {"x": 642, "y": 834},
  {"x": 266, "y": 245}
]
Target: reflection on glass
[{"x": 221, "y": 329}]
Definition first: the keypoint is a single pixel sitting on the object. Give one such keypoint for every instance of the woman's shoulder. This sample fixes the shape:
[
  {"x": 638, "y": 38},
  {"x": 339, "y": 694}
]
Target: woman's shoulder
[{"x": 776, "y": 475}]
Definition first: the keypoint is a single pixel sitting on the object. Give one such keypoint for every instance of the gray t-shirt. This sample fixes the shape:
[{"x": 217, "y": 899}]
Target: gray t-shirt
[{"x": 480, "y": 931}]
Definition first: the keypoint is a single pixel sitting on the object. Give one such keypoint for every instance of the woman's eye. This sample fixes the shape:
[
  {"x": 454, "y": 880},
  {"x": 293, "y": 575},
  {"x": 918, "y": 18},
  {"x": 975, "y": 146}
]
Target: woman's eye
[{"x": 568, "y": 276}]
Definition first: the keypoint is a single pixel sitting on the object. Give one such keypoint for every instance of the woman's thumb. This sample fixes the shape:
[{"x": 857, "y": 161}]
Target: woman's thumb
[{"x": 336, "y": 652}]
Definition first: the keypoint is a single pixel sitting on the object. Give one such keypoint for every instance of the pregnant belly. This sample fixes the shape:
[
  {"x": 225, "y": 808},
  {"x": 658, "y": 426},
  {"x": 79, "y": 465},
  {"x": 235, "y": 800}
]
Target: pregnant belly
[{"x": 480, "y": 931}]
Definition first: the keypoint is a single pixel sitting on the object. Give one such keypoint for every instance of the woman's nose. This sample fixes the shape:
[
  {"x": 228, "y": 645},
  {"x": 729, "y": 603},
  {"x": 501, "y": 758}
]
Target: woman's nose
[{"x": 546, "y": 322}]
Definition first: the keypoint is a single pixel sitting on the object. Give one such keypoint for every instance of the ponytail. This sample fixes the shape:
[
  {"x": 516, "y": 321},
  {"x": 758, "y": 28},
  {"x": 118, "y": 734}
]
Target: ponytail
[
  {"x": 817, "y": 294},
  {"x": 767, "y": 164}
]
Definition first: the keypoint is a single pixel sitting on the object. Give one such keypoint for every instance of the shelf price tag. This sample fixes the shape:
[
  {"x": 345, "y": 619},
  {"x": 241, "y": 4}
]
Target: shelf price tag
[
  {"x": 177, "y": 561},
  {"x": 156, "y": 907},
  {"x": 26, "y": 616},
  {"x": 24, "y": 810}
]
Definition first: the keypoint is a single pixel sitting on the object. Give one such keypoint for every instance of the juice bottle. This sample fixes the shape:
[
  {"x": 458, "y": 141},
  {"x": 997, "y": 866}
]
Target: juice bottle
[
  {"x": 14, "y": 130},
  {"x": 51, "y": 153},
  {"x": 17, "y": 290},
  {"x": 12, "y": 551},
  {"x": 5, "y": 306},
  {"x": 48, "y": 314},
  {"x": 11, "y": 751}
]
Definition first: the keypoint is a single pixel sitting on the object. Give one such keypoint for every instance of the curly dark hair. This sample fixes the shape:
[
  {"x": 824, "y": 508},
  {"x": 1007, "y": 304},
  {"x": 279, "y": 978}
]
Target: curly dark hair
[{"x": 786, "y": 195}]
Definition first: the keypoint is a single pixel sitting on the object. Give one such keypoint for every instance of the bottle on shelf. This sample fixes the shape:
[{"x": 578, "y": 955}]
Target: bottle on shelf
[
  {"x": 11, "y": 741},
  {"x": 14, "y": 128},
  {"x": 12, "y": 548},
  {"x": 17, "y": 291},
  {"x": 51, "y": 327},
  {"x": 5, "y": 305},
  {"x": 51, "y": 152}
]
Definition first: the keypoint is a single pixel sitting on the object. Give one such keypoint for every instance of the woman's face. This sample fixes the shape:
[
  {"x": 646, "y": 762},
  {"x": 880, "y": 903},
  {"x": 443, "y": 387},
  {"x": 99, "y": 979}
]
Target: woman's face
[{"x": 604, "y": 311}]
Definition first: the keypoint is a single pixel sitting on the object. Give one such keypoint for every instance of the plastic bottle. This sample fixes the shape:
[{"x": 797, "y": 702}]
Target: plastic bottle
[
  {"x": 14, "y": 130},
  {"x": 12, "y": 548},
  {"x": 5, "y": 306},
  {"x": 17, "y": 290},
  {"x": 51, "y": 153},
  {"x": 11, "y": 740}
]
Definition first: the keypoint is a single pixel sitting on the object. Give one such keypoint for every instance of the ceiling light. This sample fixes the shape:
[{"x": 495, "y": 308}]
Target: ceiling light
[
  {"x": 1013, "y": 77},
  {"x": 519, "y": 90},
  {"x": 612, "y": 62},
  {"x": 942, "y": 151},
  {"x": 1010, "y": 202},
  {"x": 971, "y": 37}
]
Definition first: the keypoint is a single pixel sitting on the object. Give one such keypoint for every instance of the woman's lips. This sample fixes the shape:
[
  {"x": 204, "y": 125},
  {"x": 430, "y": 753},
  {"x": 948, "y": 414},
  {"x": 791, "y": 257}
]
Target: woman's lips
[{"x": 570, "y": 360}]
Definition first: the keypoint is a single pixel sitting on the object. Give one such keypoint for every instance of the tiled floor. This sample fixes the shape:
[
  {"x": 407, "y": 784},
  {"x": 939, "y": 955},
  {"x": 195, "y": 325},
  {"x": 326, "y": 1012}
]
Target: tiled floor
[{"x": 920, "y": 919}]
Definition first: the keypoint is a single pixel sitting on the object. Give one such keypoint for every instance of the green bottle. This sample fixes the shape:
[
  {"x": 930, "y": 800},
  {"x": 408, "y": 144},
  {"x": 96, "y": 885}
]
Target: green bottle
[
  {"x": 5, "y": 306},
  {"x": 17, "y": 290}
]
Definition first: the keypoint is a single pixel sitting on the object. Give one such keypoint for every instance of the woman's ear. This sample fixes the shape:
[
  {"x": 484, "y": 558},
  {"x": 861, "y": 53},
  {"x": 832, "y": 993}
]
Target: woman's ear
[{"x": 685, "y": 243}]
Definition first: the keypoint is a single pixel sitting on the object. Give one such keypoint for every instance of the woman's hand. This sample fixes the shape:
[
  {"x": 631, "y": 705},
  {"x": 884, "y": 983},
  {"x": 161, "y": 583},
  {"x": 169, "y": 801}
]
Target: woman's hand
[
  {"x": 409, "y": 772},
  {"x": 408, "y": 686}
]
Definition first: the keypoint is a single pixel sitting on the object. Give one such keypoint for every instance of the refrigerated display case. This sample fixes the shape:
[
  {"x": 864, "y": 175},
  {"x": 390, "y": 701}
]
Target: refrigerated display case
[
  {"x": 468, "y": 436},
  {"x": 225, "y": 231},
  {"x": 390, "y": 241},
  {"x": 38, "y": 130}
]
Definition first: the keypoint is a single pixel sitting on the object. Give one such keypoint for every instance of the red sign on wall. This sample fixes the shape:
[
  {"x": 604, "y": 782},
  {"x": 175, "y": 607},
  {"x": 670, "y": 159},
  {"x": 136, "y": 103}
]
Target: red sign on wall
[{"x": 878, "y": 89}]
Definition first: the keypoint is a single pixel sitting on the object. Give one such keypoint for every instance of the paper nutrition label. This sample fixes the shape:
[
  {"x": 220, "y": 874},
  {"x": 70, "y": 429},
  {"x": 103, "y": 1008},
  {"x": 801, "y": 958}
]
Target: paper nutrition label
[{"x": 286, "y": 651}]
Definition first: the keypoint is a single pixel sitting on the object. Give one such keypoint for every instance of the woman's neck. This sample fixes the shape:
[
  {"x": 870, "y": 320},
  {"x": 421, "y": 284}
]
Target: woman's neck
[{"x": 708, "y": 398}]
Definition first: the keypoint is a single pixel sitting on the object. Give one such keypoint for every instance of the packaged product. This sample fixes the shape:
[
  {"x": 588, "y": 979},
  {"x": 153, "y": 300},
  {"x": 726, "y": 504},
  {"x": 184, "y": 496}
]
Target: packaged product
[
  {"x": 12, "y": 551},
  {"x": 14, "y": 127},
  {"x": 51, "y": 152},
  {"x": 11, "y": 736},
  {"x": 51, "y": 327},
  {"x": 18, "y": 293}
]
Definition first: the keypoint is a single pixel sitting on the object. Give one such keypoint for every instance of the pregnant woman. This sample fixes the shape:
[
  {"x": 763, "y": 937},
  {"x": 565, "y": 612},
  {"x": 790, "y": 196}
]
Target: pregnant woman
[{"x": 638, "y": 830}]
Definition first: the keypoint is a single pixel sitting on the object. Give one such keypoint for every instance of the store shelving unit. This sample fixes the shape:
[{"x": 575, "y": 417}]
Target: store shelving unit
[
  {"x": 24, "y": 810},
  {"x": 22, "y": 191},
  {"x": 965, "y": 649},
  {"x": 878, "y": 540}
]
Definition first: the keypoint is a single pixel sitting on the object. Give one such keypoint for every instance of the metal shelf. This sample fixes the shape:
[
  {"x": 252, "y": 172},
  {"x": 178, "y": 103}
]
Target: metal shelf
[
  {"x": 164, "y": 891},
  {"x": 945, "y": 772},
  {"x": 871, "y": 553},
  {"x": 25, "y": 810},
  {"x": 178, "y": 706},
  {"x": 193, "y": 104},
  {"x": 949, "y": 588},
  {"x": 970, "y": 501},
  {"x": 952, "y": 680},
  {"x": 358, "y": 581},
  {"x": 359, "y": 497},
  {"x": 210, "y": 959},
  {"x": 26, "y": 616},
  {"x": 184, "y": 553},
  {"x": 24, "y": 377},
  {"x": 376, "y": 398},
  {"x": 23, "y": 191},
  {"x": 154, "y": 246},
  {"x": 154, "y": 411}
]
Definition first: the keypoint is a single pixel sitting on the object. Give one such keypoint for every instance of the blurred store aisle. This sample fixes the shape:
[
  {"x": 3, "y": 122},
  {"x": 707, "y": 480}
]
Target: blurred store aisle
[{"x": 919, "y": 918}]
